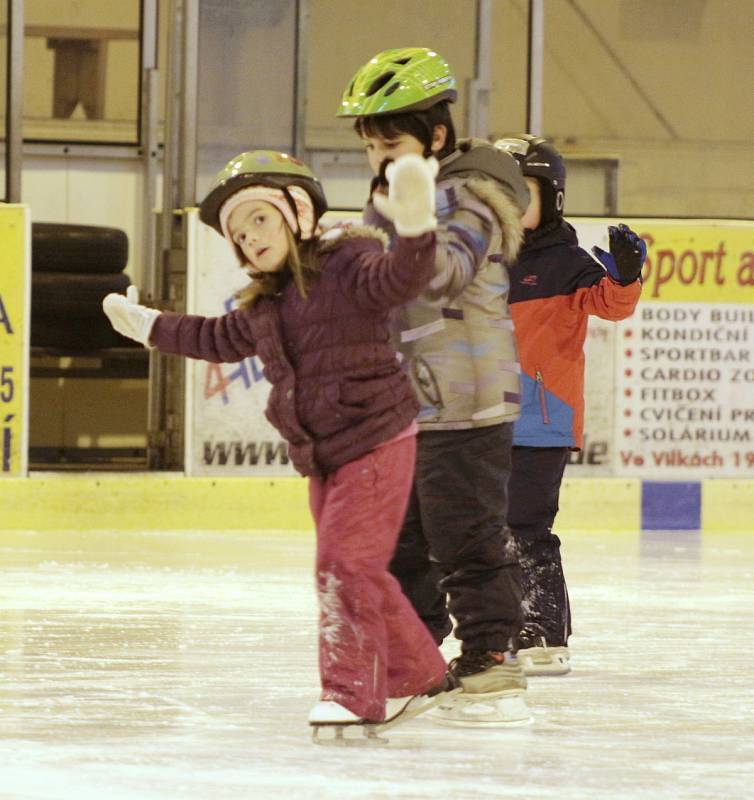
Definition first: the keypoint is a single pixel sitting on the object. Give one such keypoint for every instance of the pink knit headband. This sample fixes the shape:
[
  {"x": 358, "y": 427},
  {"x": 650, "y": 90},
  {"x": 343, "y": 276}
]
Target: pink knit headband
[{"x": 276, "y": 198}]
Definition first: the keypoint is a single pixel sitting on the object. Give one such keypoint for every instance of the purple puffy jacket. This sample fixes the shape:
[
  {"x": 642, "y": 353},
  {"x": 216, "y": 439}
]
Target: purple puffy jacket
[{"x": 338, "y": 390}]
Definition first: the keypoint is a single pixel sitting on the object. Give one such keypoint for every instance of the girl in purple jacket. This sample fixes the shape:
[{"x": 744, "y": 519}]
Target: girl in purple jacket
[{"x": 316, "y": 313}]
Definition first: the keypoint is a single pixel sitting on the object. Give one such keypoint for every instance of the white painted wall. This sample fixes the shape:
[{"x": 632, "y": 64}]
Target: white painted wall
[{"x": 88, "y": 191}]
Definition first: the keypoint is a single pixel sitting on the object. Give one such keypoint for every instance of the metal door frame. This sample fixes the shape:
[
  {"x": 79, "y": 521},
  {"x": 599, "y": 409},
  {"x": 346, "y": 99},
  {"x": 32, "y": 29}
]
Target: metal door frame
[{"x": 14, "y": 100}]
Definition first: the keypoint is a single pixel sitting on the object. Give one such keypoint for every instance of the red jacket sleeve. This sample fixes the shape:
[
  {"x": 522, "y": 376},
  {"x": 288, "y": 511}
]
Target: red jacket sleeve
[{"x": 607, "y": 299}]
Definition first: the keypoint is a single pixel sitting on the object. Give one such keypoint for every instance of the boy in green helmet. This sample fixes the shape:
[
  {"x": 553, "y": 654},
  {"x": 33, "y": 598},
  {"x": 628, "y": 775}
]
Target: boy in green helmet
[{"x": 457, "y": 343}]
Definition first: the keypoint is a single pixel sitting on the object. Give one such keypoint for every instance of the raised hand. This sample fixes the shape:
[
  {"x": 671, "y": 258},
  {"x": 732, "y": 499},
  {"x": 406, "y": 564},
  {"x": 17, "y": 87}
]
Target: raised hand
[
  {"x": 626, "y": 257},
  {"x": 410, "y": 202}
]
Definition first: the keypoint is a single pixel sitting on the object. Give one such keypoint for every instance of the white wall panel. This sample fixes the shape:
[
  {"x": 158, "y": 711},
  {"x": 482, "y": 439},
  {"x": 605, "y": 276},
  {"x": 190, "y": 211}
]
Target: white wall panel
[{"x": 93, "y": 191}]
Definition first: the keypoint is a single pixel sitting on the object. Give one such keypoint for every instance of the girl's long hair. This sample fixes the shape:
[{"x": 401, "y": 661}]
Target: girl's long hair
[{"x": 301, "y": 266}]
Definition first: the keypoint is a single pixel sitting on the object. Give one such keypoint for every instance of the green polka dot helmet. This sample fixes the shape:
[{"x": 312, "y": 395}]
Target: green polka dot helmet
[
  {"x": 395, "y": 81},
  {"x": 261, "y": 168}
]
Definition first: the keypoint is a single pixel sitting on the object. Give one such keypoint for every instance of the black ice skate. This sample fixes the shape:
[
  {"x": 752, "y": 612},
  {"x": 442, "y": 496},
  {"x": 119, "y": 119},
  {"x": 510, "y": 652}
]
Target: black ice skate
[{"x": 493, "y": 686}]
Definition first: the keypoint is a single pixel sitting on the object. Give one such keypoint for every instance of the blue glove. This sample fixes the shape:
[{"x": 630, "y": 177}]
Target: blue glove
[{"x": 626, "y": 257}]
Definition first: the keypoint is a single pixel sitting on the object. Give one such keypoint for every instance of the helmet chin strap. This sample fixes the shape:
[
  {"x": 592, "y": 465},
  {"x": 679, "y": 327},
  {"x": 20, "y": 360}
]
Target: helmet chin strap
[
  {"x": 382, "y": 176},
  {"x": 430, "y": 136},
  {"x": 380, "y": 179},
  {"x": 292, "y": 204}
]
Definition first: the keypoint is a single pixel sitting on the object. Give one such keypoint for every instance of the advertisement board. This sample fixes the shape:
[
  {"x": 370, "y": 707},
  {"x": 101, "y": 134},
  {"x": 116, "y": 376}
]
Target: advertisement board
[
  {"x": 669, "y": 392},
  {"x": 227, "y": 433},
  {"x": 15, "y": 273},
  {"x": 682, "y": 366}
]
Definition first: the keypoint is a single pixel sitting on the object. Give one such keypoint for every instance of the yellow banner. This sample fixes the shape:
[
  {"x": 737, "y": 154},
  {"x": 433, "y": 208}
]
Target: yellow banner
[
  {"x": 14, "y": 338},
  {"x": 698, "y": 261},
  {"x": 692, "y": 261}
]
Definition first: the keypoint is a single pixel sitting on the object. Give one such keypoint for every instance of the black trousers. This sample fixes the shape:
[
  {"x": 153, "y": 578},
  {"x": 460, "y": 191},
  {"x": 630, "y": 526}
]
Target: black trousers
[
  {"x": 534, "y": 491},
  {"x": 455, "y": 555}
]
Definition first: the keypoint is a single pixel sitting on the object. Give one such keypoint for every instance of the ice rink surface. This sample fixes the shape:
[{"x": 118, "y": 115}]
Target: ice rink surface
[{"x": 184, "y": 665}]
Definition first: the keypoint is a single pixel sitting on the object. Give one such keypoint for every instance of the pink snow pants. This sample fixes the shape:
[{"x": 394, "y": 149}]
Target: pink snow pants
[{"x": 372, "y": 645}]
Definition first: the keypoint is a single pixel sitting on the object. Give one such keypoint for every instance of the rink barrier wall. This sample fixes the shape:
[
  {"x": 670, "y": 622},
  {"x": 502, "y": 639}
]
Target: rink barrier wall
[{"x": 149, "y": 501}]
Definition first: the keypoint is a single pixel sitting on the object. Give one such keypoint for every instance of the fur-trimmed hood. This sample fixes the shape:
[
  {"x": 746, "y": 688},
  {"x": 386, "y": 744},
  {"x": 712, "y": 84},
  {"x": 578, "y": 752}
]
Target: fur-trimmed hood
[
  {"x": 333, "y": 237},
  {"x": 507, "y": 212},
  {"x": 479, "y": 156},
  {"x": 494, "y": 177}
]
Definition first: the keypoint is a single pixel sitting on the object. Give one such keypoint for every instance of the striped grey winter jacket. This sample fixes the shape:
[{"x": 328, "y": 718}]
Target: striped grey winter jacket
[{"x": 457, "y": 337}]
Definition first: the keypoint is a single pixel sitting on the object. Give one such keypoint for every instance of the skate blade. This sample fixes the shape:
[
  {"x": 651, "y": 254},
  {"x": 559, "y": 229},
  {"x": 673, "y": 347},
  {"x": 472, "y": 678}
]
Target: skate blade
[
  {"x": 545, "y": 661},
  {"x": 480, "y": 711},
  {"x": 366, "y": 734},
  {"x": 417, "y": 706},
  {"x": 347, "y": 735}
]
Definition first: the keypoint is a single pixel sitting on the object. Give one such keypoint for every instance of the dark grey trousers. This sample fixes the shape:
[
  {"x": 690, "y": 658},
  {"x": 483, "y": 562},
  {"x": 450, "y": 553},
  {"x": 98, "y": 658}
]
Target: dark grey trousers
[
  {"x": 534, "y": 493},
  {"x": 455, "y": 554}
]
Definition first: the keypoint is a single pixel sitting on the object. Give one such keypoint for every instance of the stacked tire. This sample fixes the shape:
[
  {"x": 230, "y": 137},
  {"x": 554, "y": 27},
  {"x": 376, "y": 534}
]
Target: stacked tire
[{"x": 73, "y": 268}]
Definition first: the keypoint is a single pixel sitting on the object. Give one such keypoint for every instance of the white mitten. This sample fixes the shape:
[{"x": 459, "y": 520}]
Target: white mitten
[
  {"x": 410, "y": 203},
  {"x": 128, "y": 317}
]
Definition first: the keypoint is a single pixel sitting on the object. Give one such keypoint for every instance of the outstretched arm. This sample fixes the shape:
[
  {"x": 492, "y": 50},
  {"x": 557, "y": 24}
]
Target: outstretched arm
[{"x": 223, "y": 339}]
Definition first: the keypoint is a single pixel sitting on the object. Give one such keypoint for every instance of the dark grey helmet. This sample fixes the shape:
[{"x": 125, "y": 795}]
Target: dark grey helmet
[{"x": 539, "y": 159}]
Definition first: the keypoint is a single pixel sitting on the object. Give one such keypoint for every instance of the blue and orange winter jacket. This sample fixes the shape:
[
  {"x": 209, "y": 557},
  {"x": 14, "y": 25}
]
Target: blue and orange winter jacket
[{"x": 555, "y": 286}]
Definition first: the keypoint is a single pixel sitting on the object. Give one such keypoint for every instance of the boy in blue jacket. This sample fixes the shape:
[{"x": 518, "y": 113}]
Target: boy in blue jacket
[{"x": 554, "y": 286}]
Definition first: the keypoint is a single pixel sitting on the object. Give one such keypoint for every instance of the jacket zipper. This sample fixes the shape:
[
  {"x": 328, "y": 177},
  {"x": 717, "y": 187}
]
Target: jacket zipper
[{"x": 542, "y": 398}]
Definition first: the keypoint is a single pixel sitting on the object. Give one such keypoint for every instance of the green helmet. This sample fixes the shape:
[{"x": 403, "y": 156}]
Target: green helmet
[
  {"x": 261, "y": 168},
  {"x": 408, "y": 79}
]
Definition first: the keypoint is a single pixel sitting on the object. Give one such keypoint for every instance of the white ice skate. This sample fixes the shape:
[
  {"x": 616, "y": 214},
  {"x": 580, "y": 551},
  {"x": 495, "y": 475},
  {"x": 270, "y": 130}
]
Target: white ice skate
[
  {"x": 545, "y": 660},
  {"x": 331, "y": 723},
  {"x": 493, "y": 686},
  {"x": 484, "y": 710}
]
